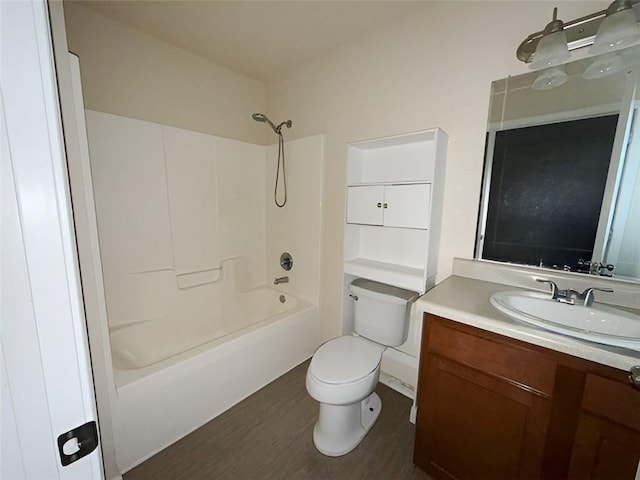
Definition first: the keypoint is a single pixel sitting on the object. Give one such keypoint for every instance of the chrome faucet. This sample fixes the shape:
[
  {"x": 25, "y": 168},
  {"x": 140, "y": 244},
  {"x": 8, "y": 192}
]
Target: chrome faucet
[
  {"x": 280, "y": 280},
  {"x": 587, "y": 296},
  {"x": 570, "y": 296},
  {"x": 554, "y": 287}
]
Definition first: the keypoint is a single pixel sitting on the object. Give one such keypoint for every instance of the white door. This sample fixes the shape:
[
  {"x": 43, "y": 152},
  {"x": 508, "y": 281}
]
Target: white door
[{"x": 46, "y": 385}]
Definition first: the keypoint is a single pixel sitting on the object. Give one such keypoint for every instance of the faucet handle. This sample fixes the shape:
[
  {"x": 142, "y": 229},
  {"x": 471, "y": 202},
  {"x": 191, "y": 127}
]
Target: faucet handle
[
  {"x": 588, "y": 297},
  {"x": 554, "y": 287}
]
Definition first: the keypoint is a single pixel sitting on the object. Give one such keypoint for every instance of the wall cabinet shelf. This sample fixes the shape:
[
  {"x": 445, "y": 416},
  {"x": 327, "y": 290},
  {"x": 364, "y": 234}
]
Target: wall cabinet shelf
[
  {"x": 403, "y": 276},
  {"x": 493, "y": 407}
]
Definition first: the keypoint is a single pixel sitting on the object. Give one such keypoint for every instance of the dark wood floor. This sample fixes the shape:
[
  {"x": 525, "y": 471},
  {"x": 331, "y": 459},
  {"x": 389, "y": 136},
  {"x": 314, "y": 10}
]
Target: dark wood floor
[{"x": 269, "y": 436}]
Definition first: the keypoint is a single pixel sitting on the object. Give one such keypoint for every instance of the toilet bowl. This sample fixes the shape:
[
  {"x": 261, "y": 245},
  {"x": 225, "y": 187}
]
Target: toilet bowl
[
  {"x": 342, "y": 376},
  {"x": 344, "y": 371}
]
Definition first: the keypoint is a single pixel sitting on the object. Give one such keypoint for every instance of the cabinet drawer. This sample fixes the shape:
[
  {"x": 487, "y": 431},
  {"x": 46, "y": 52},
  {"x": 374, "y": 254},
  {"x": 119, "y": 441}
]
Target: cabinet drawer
[
  {"x": 613, "y": 400},
  {"x": 527, "y": 368}
]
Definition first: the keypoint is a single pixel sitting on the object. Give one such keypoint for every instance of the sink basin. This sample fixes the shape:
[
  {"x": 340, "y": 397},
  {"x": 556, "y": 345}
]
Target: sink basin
[{"x": 597, "y": 323}]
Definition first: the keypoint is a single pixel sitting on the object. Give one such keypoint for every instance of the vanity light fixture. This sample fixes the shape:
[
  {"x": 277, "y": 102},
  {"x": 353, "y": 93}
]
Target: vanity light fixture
[
  {"x": 604, "y": 65},
  {"x": 619, "y": 30},
  {"x": 552, "y": 48},
  {"x": 550, "y": 78}
]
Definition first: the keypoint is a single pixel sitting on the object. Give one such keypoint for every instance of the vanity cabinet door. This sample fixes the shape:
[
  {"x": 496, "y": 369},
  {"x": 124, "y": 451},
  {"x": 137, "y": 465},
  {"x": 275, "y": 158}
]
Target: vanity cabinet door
[
  {"x": 604, "y": 450},
  {"x": 484, "y": 407},
  {"x": 607, "y": 440},
  {"x": 478, "y": 426}
]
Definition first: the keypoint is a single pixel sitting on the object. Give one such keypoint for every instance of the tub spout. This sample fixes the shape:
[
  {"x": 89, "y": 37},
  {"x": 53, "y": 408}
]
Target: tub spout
[{"x": 280, "y": 280}]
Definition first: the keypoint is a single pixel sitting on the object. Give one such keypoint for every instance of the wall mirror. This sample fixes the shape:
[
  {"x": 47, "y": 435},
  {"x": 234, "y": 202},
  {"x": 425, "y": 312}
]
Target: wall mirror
[{"x": 561, "y": 181}]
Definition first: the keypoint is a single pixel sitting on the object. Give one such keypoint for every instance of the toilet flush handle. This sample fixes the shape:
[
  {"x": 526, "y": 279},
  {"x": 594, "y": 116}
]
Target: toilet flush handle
[{"x": 355, "y": 297}]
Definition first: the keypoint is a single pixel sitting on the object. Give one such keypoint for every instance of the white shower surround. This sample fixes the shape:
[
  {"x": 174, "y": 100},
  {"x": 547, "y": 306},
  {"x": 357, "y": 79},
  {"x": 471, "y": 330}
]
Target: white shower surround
[{"x": 145, "y": 278}]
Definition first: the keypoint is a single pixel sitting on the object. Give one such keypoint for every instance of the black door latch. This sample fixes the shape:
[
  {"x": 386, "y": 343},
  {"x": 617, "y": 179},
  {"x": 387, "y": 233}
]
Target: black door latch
[{"x": 78, "y": 443}]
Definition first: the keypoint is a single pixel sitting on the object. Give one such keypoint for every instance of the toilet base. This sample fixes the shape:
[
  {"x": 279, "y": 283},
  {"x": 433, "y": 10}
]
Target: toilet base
[{"x": 341, "y": 428}]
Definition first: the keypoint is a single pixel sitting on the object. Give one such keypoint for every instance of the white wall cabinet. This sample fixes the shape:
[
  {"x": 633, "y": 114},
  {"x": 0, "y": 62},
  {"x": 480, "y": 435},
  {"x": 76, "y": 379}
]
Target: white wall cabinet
[
  {"x": 394, "y": 208},
  {"x": 402, "y": 206},
  {"x": 397, "y": 245}
]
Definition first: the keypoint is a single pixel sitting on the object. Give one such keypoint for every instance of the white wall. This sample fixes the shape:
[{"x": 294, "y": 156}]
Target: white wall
[
  {"x": 431, "y": 70},
  {"x": 129, "y": 73}
]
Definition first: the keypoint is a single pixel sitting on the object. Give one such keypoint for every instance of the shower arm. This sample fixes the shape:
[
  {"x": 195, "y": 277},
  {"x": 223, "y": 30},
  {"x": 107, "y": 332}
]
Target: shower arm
[{"x": 278, "y": 129}]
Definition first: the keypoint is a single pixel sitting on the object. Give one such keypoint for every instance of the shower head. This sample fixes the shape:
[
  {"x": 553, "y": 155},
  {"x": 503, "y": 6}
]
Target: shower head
[{"x": 261, "y": 117}]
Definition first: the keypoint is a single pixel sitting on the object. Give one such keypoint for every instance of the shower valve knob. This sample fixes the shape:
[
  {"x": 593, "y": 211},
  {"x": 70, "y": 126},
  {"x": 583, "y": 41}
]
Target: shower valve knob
[{"x": 286, "y": 261}]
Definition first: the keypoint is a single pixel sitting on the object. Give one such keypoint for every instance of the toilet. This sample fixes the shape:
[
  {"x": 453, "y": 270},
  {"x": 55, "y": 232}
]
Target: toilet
[{"x": 344, "y": 371}]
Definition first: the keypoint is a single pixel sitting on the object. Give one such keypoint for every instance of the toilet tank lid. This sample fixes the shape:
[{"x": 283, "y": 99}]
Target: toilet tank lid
[{"x": 363, "y": 286}]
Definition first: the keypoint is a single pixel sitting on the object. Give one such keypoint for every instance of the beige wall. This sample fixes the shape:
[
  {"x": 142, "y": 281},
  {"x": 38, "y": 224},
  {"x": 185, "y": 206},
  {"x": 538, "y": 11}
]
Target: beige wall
[
  {"x": 431, "y": 70},
  {"x": 132, "y": 74}
]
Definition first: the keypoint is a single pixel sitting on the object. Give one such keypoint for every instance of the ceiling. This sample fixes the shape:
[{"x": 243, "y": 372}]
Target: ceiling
[{"x": 262, "y": 39}]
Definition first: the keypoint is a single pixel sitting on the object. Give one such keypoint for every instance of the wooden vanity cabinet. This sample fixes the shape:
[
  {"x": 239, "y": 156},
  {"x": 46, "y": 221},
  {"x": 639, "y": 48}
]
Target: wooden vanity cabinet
[
  {"x": 607, "y": 440},
  {"x": 496, "y": 408}
]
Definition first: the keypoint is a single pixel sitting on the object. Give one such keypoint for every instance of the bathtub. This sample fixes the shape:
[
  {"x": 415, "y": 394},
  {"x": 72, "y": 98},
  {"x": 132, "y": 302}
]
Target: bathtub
[
  {"x": 143, "y": 343},
  {"x": 174, "y": 376}
]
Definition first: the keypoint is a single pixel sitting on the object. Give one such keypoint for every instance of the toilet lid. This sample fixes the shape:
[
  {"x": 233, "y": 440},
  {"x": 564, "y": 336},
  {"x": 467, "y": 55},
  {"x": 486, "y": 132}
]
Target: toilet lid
[{"x": 345, "y": 359}]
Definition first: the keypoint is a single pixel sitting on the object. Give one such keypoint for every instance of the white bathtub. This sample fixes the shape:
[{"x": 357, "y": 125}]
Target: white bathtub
[
  {"x": 140, "y": 344},
  {"x": 170, "y": 380}
]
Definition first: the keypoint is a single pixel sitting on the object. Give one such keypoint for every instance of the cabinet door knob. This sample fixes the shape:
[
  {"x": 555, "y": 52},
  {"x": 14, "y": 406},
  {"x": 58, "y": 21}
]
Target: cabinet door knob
[
  {"x": 634, "y": 376},
  {"x": 384, "y": 206},
  {"x": 379, "y": 205}
]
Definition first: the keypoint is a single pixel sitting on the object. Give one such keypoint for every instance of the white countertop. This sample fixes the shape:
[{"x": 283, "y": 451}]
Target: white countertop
[{"x": 466, "y": 300}]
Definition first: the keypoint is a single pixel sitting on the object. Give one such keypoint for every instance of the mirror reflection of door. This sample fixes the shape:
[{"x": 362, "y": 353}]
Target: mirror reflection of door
[
  {"x": 547, "y": 185},
  {"x": 623, "y": 245}
]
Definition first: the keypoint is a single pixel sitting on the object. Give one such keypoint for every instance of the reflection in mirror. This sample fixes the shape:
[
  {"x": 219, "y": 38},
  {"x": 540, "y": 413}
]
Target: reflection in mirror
[
  {"x": 561, "y": 183},
  {"x": 623, "y": 246}
]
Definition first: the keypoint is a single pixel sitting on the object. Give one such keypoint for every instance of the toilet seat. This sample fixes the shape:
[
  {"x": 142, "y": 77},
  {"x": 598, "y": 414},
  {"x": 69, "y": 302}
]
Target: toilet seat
[{"x": 345, "y": 359}]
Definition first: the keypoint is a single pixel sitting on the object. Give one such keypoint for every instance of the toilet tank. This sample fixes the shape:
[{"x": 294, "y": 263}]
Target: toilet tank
[{"x": 381, "y": 311}]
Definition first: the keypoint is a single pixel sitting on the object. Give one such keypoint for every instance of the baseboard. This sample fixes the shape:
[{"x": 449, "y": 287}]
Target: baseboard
[
  {"x": 401, "y": 367},
  {"x": 397, "y": 385}
]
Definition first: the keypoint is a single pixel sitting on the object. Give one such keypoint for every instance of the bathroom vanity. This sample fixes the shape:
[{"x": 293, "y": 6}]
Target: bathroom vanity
[{"x": 501, "y": 399}]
